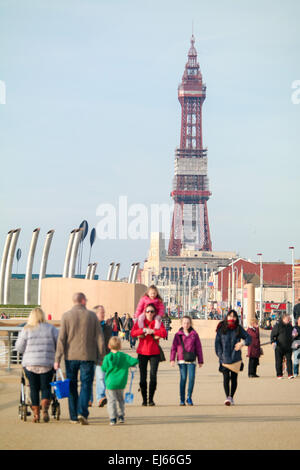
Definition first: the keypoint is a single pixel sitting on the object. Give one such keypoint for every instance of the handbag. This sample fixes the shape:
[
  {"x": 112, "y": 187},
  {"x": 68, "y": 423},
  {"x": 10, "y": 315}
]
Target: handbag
[
  {"x": 162, "y": 356},
  {"x": 188, "y": 356},
  {"x": 235, "y": 366}
]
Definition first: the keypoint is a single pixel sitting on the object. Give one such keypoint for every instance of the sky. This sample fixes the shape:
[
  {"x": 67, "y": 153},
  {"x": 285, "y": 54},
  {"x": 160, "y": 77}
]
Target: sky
[{"x": 91, "y": 114}]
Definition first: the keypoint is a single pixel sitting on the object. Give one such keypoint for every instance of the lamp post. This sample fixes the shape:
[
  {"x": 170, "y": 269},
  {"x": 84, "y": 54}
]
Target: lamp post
[
  {"x": 293, "y": 283},
  {"x": 206, "y": 296},
  {"x": 183, "y": 286},
  {"x": 261, "y": 288},
  {"x": 235, "y": 286},
  {"x": 232, "y": 284}
]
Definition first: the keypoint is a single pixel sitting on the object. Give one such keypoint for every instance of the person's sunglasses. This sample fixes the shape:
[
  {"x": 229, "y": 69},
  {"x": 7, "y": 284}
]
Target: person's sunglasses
[{"x": 150, "y": 311}]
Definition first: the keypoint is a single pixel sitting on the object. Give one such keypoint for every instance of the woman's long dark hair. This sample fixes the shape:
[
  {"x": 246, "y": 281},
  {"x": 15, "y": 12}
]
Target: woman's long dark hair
[
  {"x": 153, "y": 306},
  {"x": 223, "y": 325}
]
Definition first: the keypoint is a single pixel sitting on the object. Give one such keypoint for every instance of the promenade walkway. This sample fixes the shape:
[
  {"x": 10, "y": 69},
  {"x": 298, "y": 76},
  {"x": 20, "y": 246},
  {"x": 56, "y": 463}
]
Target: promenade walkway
[{"x": 266, "y": 414}]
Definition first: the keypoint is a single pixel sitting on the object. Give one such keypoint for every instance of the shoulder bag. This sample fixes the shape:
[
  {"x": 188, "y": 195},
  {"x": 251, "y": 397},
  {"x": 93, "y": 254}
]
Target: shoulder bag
[{"x": 188, "y": 356}]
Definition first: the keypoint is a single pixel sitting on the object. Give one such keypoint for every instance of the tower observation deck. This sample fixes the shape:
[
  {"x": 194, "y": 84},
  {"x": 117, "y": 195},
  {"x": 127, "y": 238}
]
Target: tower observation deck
[{"x": 190, "y": 227}]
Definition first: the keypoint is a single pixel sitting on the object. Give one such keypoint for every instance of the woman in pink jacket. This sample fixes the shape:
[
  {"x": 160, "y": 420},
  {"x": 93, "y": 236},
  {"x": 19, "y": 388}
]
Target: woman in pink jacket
[{"x": 151, "y": 296}]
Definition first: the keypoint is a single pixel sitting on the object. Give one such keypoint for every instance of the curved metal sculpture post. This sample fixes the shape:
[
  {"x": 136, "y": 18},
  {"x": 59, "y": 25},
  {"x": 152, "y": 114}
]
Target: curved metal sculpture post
[
  {"x": 3, "y": 264},
  {"x": 116, "y": 272},
  {"x": 93, "y": 270},
  {"x": 135, "y": 272},
  {"x": 88, "y": 271},
  {"x": 28, "y": 275},
  {"x": 44, "y": 261},
  {"x": 74, "y": 251},
  {"x": 131, "y": 273},
  {"x": 9, "y": 264},
  {"x": 68, "y": 254},
  {"x": 110, "y": 271}
]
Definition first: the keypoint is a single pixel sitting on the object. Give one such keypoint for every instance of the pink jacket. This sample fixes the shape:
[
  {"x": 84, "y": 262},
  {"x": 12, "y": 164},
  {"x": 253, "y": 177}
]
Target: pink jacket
[{"x": 144, "y": 301}]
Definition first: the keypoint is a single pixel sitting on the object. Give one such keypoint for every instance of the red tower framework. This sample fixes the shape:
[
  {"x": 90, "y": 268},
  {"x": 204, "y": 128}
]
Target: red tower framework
[{"x": 190, "y": 227}]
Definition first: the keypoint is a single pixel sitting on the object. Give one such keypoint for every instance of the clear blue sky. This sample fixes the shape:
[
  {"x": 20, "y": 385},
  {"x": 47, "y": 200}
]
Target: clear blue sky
[{"x": 92, "y": 113}]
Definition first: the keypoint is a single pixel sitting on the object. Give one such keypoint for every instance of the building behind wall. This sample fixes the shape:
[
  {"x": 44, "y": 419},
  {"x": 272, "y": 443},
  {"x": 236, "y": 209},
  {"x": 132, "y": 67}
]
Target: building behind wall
[{"x": 172, "y": 274}]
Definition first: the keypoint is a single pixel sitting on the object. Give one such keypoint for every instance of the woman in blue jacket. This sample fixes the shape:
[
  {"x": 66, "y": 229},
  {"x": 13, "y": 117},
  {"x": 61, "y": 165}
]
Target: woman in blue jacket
[{"x": 230, "y": 339}]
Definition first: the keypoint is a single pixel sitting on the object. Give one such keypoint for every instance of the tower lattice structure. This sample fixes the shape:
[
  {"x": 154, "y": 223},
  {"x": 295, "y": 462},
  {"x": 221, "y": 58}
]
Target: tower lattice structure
[{"x": 190, "y": 226}]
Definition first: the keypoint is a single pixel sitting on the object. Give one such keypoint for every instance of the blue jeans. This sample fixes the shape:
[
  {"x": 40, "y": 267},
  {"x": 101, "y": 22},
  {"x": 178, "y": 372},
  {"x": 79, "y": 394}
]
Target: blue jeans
[
  {"x": 78, "y": 405},
  {"x": 186, "y": 370},
  {"x": 100, "y": 384},
  {"x": 115, "y": 333},
  {"x": 296, "y": 361}
]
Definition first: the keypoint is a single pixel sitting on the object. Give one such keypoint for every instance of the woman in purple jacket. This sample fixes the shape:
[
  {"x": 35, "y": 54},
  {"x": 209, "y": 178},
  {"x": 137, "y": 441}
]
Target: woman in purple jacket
[
  {"x": 254, "y": 350},
  {"x": 187, "y": 346}
]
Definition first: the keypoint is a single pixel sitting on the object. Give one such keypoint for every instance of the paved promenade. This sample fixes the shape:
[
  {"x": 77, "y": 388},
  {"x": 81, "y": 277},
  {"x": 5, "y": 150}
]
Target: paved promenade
[{"x": 266, "y": 414}]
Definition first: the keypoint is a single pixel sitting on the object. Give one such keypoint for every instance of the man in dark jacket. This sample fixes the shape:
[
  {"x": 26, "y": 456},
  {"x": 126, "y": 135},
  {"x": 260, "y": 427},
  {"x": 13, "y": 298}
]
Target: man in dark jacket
[
  {"x": 100, "y": 375},
  {"x": 281, "y": 339},
  {"x": 296, "y": 311}
]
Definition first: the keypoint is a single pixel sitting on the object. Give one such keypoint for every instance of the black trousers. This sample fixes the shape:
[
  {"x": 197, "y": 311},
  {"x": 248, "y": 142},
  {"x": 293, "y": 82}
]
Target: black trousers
[
  {"x": 279, "y": 355},
  {"x": 229, "y": 382},
  {"x": 143, "y": 363},
  {"x": 39, "y": 383},
  {"x": 252, "y": 366}
]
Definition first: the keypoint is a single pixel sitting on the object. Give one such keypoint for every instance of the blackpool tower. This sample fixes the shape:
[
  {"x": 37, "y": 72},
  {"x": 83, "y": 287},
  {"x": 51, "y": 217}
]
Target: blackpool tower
[{"x": 190, "y": 227}]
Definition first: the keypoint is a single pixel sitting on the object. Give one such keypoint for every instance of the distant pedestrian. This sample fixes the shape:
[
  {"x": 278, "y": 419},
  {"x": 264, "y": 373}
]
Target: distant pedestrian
[
  {"x": 167, "y": 323},
  {"x": 230, "y": 339},
  {"x": 127, "y": 325},
  {"x": 296, "y": 346},
  {"x": 148, "y": 351},
  {"x": 281, "y": 339},
  {"x": 187, "y": 347},
  {"x": 254, "y": 349},
  {"x": 81, "y": 342},
  {"x": 151, "y": 296},
  {"x": 116, "y": 324},
  {"x": 37, "y": 342},
  {"x": 115, "y": 366},
  {"x": 99, "y": 373}
]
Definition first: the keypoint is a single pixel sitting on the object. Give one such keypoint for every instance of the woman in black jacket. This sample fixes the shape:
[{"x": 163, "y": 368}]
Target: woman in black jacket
[
  {"x": 230, "y": 339},
  {"x": 281, "y": 339}
]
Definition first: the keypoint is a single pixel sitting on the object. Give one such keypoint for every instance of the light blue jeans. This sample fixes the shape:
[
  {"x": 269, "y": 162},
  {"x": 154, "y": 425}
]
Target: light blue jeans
[{"x": 100, "y": 384}]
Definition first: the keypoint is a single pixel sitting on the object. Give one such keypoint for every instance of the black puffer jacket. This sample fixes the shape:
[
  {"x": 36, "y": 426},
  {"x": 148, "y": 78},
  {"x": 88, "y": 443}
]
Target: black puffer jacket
[{"x": 282, "y": 335}]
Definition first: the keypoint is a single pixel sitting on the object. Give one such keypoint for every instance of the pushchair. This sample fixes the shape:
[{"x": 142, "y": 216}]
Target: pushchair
[{"x": 25, "y": 402}]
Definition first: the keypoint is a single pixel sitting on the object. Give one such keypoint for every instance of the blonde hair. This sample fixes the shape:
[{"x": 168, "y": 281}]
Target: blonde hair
[
  {"x": 36, "y": 317},
  {"x": 115, "y": 343}
]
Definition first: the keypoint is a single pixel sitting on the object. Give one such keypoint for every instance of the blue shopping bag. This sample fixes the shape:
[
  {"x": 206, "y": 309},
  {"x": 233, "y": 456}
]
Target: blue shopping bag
[{"x": 129, "y": 396}]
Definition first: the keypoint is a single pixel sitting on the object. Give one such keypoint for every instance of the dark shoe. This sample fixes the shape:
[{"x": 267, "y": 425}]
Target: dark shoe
[
  {"x": 113, "y": 422},
  {"x": 144, "y": 403},
  {"x": 102, "y": 402},
  {"x": 189, "y": 402},
  {"x": 151, "y": 403},
  {"x": 121, "y": 419},
  {"x": 83, "y": 420},
  {"x": 182, "y": 403}
]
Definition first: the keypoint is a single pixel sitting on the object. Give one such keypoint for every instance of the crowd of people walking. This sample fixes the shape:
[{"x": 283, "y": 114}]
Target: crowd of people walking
[{"x": 91, "y": 349}]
